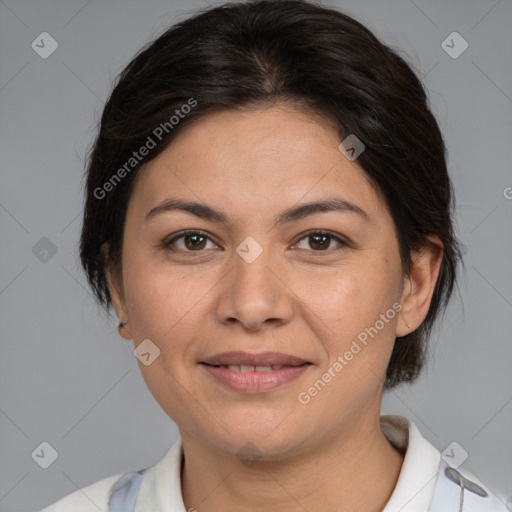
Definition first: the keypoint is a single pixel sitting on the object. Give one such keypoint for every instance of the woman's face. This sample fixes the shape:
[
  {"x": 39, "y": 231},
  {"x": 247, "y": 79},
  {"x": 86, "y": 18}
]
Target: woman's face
[{"x": 259, "y": 278}]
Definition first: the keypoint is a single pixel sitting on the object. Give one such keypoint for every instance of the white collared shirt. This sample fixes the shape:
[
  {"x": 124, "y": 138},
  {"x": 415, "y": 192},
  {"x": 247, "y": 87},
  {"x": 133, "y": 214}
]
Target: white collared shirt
[{"x": 420, "y": 473}]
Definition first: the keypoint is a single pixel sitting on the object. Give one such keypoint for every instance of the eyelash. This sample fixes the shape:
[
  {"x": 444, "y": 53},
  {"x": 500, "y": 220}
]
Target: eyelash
[{"x": 342, "y": 243}]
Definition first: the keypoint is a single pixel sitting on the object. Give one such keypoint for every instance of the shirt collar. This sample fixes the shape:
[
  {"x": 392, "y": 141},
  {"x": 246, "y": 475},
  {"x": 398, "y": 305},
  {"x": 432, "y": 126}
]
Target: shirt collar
[
  {"x": 417, "y": 479},
  {"x": 161, "y": 486}
]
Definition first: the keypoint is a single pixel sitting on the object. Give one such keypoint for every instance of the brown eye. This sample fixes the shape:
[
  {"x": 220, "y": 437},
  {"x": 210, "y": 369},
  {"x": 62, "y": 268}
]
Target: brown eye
[
  {"x": 320, "y": 241},
  {"x": 191, "y": 241}
]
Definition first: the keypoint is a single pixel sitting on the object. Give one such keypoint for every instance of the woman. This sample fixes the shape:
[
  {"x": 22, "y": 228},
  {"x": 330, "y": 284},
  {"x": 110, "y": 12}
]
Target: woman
[{"x": 268, "y": 210}]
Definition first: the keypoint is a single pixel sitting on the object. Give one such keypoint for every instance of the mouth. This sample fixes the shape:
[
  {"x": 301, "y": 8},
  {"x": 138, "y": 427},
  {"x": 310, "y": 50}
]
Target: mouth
[
  {"x": 254, "y": 373},
  {"x": 262, "y": 360},
  {"x": 245, "y": 368}
]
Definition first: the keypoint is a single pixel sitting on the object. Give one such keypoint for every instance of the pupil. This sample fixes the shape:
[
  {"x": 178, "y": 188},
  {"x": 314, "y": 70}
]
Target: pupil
[
  {"x": 315, "y": 241},
  {"x": 194, "y": 245}
]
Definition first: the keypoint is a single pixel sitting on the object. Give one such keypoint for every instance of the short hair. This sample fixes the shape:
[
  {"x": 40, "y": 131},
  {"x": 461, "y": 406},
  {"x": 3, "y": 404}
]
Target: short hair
[{"x": 255, "y": 54}]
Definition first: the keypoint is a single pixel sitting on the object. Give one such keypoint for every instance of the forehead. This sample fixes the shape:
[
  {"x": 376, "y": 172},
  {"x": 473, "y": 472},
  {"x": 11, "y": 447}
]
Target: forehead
[{"x": 267, "y": 157}]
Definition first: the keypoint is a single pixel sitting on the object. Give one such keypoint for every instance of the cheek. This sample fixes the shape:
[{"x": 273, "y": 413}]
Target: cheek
[
  {"x": 352, "y": 313},
  {"x": 162, "y": 300},
  {"x": 352, "y": 296},
  {"x": 171, "y": 308},
  {"x": 166, "y": 308}
]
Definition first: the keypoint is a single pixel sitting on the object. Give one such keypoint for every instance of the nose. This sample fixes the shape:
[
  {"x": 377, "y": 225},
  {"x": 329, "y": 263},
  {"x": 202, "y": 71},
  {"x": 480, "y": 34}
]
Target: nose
[{"x": 256, "y": 293}]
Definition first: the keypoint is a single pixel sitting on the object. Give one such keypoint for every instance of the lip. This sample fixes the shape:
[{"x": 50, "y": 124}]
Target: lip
[
  {"x": 255, "y": 359},
  {"x": 255, "y": 381}
]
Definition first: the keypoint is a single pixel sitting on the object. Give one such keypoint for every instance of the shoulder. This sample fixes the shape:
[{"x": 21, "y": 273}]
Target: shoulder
[
  {"x": 91, "y": 498},
  {"x": 428, "y": 482},
  {"x": 158, "y": 484}
]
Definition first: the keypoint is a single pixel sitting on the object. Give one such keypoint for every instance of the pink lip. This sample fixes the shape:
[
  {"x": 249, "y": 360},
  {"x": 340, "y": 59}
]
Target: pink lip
[
  {"x": 248, "y": 359},
  {"x": 255, "y": 382}
]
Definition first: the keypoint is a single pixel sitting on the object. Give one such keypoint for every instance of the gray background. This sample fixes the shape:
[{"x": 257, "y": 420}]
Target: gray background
[{"x": 65, "y": 375}]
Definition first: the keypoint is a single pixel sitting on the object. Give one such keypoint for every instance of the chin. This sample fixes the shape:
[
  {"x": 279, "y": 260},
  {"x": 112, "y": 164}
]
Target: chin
[{"x": 256, "y": 440}]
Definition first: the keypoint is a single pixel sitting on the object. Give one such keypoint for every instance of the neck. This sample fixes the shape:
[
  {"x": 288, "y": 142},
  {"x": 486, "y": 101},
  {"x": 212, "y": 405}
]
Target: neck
[{"x": 356, "y": 470}]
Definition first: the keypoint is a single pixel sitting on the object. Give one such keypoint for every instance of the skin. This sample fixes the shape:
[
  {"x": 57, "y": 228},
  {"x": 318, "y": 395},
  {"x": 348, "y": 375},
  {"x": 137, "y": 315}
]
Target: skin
[{"x": 301, "y": 296}]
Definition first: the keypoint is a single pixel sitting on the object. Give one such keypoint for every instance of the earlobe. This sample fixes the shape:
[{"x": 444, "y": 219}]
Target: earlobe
[
  {"x": 419, "y": 285},
  {"x": 115, "y": 286}
]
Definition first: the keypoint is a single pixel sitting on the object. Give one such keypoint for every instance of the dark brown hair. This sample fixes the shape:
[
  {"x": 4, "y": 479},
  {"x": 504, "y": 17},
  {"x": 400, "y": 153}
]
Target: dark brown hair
[{"x": 241, "y": 55}]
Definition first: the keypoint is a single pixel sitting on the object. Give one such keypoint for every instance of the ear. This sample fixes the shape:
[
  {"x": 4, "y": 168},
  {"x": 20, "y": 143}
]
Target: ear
[
  {"x": 419, "y": 285},
  {"x": 115, "y": 286}
]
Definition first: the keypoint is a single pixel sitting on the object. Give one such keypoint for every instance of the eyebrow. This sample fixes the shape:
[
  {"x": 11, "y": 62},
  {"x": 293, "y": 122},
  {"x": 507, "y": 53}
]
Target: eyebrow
[{"x": 292, "y": 214}]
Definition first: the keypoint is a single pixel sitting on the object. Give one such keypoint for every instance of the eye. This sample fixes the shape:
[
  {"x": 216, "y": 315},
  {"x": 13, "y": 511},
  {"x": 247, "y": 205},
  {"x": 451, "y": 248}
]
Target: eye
[
  {"x": 189, "y": 241},
  {"x": 196, "y": 241},
  {"x": 320, "y": 241}
]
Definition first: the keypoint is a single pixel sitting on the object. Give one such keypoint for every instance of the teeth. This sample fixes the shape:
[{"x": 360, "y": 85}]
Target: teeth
[{"x": 249, "y": 368}]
